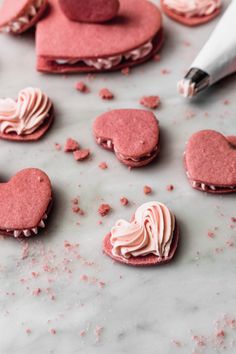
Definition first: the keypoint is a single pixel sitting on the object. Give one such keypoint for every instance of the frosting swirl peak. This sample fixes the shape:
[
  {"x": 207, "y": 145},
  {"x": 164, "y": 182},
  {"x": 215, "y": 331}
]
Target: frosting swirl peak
[
  {"x": 191, "y": 8},
  {"x": 150, "y": 232},
  {"x": 25, "y": 115}
]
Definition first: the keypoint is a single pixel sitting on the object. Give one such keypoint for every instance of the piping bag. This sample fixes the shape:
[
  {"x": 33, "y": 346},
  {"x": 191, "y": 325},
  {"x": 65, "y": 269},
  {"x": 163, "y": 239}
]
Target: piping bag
[{"x": 216, "y": 60}]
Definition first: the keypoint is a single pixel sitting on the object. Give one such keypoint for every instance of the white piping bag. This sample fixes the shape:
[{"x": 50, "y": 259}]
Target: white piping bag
[{"x": 216, "y": 60}]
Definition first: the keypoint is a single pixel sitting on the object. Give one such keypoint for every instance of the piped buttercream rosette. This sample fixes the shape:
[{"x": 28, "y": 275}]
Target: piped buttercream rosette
[{"x": 150, "y": 238}]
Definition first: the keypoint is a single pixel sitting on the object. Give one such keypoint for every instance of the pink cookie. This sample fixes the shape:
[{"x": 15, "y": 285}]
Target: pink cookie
[
  {"x": 25, "y": 202},
  {"x": 133, "y": 37},
  {"x": 93, "y": 11},
  {"x": 132, "y": 134},
  {"x": 210, "y": 162},
  {"x": 189, "y": 21},
  {"x": 17, "y": 16},
  {"x": 26, "y": 119},
  {"x": 141, "y": 242}
]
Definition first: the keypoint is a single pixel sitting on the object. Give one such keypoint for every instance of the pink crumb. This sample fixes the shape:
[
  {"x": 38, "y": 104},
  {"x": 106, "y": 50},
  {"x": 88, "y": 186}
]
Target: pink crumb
[
  {"x": 104, "y": 209},
  {"x": 53, "y": 331},
  {"x": 211, "y": 234},
  {"x": 101, "y": 284},
  {"x": 170, "y": 187},
  {"x": 125, "y": 71},
  {"x": 150, "y": 101},
  {"x": 28, "y": 331},
  {"x": 82, "y": 87},
  {"x": 84, "y": 277},
  {"x": 80, "y": 155},
  {"x": 98, "y": 332},
  {"x": 165, "y": 71},
  {"x": 233, "y": 219},
  {"x": 220, "y": 334},
  {"x": 36, "y": 292},
  {"x": 71, "y": 145},
  {"x": 57, "y": 146},
  {"x": 230, "y": 243},
  {"x": 157, "y": 57},
  {"x": 176, "y": 342},
  {"x": 103, "y": 165},
  {"x": 124, "y": 201},
  {"x": 82, "y": 333},
  {"x": 25, "y": 250},
  {"x": 226, "y": 102},
  {"x": 147, "y": 190},
  {"x": 106, "y": 94}
]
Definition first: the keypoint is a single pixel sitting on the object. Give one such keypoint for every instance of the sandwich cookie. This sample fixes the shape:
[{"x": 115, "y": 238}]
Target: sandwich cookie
[
  {"x": 133, "y": 135},
  {"x": 151, "y": 238},
  {"x": 26, "y": 119},
  {"x": 130, "y": 38},
  {"x": 210, "y": 162},
  {"x": 191, "y": 12},
  {"x": 25, "y": 202},
  {"x": 17, "y": 16}
]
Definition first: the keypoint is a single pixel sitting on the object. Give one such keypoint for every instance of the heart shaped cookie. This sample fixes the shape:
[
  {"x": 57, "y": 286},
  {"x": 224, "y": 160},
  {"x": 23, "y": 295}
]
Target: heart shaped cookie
[
  {"x": 150, "y": 238},
  {"x": 25, "y": 202},
  {"x": 133, "y": 134},
  {"x": 191, "y": 13},
  {"x": 17, "y": 16},
  {"x": 26, "y": 119},
  {"x": 130, "y": 38},
  {"x": 93, "y": 11},
  {"x": 210, "y": 162}
]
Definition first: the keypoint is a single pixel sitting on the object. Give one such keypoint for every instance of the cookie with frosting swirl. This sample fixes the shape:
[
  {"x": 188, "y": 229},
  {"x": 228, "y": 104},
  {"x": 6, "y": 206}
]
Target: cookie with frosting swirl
[
  {"x": 150, "y": 238},
  {"x": 28, "y": 118}
]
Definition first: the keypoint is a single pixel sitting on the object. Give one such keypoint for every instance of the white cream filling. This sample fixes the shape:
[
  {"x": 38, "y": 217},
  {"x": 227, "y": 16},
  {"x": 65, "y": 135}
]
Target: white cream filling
[
  {"x": 28, "y": 232},
  {"x": 205, "y": 187},
  {"x": 108, "y": 144},
  {"x": 110, "y": 62},
  {"x": 17, "y": 24}
]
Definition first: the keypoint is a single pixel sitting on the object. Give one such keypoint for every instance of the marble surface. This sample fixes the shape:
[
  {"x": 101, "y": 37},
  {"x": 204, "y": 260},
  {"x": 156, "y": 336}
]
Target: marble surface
[{"x": 87, "y": 303}]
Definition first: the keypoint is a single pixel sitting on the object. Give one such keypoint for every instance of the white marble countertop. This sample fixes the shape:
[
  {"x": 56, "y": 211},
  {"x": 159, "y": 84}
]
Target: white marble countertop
[{"x": 182, "y": 307}]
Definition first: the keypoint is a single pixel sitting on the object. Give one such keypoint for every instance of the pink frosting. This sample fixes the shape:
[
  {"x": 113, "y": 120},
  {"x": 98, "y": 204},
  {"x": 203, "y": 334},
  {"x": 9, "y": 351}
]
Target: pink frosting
[
  {"x": 26, "y": 114},
  {"x": 150, "y": 232},
  {"x": 191, "y": 8}
]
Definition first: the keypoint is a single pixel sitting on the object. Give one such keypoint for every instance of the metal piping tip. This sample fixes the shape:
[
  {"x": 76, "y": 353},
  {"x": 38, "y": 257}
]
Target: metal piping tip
[{"x": 194, "y": 81}]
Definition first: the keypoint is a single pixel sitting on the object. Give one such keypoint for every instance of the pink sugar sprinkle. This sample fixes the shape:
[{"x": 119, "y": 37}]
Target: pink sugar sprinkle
[
  {"x": 57, "y": 146},
  {"x": 165, "y": 71},
  {"x": 211, "y": 234},
  {"x": 106, "y": 94},
  {"x": 98, "y": 332},
  {"x": 82, "y": 333},
  {"x": 101, "y": 284},
  {"x": 84, "y": 277},
  {"x": 170, "y": 187},
  {"x": 124, "y": 201},
  {"x": 36, "y": 292},
  {"x": 103, "y": 165},
  {"x": 125, "y": 71}
]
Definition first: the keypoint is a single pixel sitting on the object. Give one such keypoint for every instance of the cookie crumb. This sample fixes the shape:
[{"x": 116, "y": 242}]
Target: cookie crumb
[
  {"x": 165, "y": 71},
  {"x": 124, "y": 201},
  {"x": 157, "y": 57},
  {"x": 36, "y": 292},
  {"x": 104, "y": 209},
  {"x": 106, "y": 94},
  {"x": 71, "y": 145},
  {"x": 150, "y": 101},
  {"x": 125, "y": 71},
  {"x": 57, "y": 146},
  {"x": 53, "y": 331},
  {"x": 82, "y": 154},
  {"x": 147, "y": 190},
  {"x": 103, "y": 165},
  {"x": 211, "y": 234},
  {"x": 28, "y": 331},
  {"x": 81, "y": 87},
  {"x": 170, "y": 187}
]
